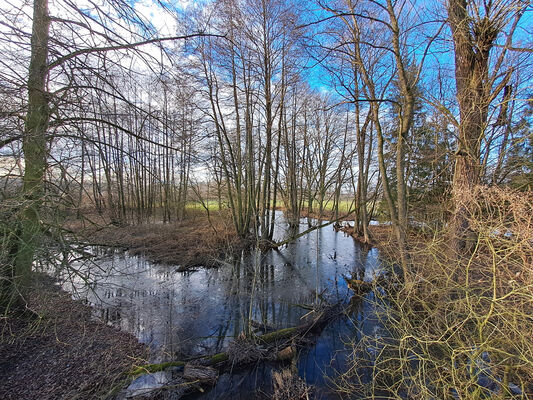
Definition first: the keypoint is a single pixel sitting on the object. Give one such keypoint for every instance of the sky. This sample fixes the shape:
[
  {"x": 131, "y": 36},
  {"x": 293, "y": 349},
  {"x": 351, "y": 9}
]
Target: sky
[{"x": 162, "y": 17}]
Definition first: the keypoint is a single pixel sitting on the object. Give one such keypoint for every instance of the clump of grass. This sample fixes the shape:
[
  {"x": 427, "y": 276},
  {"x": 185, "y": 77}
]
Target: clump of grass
[
  {"x": 244, "y": 350},
  {"x": 289, "y": 386},
  {"x": 461, "y": 326}
]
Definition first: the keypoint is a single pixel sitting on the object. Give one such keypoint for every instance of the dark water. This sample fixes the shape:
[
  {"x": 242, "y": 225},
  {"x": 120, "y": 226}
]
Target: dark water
[{"x": 181, "y": 314}]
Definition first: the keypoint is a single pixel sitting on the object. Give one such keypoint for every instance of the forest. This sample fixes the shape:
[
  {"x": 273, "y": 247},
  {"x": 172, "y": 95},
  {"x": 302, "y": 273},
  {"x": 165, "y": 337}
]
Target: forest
[{"x": 271, "y": 199}]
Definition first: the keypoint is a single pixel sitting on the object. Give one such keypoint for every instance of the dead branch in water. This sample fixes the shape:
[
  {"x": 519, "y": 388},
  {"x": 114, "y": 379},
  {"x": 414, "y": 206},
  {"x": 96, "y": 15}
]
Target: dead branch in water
[
  {"x": 274, "y": 245},
  {"x": 267, "y": 341}
]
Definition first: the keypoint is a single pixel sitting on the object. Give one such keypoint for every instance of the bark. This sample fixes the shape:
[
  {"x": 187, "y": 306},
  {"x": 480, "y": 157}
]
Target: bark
[
  {"x": 472, "y": 53},
  {"x": 34, "y": 147}
]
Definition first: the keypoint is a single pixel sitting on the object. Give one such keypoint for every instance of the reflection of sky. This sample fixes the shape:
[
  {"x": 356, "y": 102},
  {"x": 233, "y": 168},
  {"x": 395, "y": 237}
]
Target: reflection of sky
[{"x": 182, "y": 314}]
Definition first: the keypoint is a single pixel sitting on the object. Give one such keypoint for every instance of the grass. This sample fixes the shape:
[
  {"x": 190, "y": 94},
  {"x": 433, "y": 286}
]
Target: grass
[
  {"x": 212, "y": 205},
  {"x": 344, "y": 205}
]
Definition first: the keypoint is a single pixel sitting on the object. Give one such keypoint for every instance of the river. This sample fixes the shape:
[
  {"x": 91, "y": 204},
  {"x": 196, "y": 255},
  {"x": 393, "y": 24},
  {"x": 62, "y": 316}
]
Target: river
[{"x": 183, "y": 314}]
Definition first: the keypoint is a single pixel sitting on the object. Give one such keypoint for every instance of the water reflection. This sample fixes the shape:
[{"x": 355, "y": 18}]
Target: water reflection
[{"x": 181, "y": 314}]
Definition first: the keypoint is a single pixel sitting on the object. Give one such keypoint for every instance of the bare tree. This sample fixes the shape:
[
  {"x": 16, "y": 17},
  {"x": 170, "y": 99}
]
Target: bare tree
[{"x": 64, "y": 66}]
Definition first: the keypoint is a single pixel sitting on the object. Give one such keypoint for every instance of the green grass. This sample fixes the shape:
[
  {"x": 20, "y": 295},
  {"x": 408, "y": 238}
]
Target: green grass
[
  {"x": 197, "y": 205},
  {"x": 212, "y": 204}
]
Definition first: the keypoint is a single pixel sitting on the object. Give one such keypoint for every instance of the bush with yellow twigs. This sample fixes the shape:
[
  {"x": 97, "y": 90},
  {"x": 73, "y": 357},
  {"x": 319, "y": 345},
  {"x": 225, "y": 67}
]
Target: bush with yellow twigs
[{"x": 461, "y": 325}]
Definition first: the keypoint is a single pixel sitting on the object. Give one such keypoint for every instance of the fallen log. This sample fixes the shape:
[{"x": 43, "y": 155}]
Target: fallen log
[
  {"x": 299, "y": 332},
  {"x": 277, "y": 245},
  {"x": 200, "y": 374},
  {"x": 151, "y": 368},
  {"x": 277, "y": 335},
  {"x": 205, "y": 370}
]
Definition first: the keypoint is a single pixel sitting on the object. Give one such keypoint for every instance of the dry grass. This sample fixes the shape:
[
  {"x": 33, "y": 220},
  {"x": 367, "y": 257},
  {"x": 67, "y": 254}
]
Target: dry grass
[
  {"x": 194, "y": 241},
  {"x": 289, "y": 386},
  {"x": 461, "y": 326}
]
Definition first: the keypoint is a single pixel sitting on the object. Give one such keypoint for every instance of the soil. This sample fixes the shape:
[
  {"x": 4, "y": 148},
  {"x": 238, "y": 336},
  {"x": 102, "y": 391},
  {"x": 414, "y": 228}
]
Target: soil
[{"x": 58, "y": 351}]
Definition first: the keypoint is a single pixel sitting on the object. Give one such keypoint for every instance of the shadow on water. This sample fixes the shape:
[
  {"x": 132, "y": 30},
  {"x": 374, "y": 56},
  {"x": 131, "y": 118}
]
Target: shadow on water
[{"x": 183, "y": 314}]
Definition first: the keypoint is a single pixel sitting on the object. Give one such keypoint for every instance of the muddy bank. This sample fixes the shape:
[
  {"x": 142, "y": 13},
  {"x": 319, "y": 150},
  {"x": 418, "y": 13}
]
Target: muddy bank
[
  {"x": 64, "y": 353},
  {"x": 195, "y": 241}
]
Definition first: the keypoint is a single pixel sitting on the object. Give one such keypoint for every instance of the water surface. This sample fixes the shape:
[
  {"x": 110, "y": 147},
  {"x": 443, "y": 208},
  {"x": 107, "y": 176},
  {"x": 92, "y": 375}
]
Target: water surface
[{"x": 182, "y": 314}]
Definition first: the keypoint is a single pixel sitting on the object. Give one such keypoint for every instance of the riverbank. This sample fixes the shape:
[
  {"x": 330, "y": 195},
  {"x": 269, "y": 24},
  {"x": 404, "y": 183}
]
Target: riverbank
[
  {"x": 58, "y": 351},
  {"x": 197, "y": 240}
]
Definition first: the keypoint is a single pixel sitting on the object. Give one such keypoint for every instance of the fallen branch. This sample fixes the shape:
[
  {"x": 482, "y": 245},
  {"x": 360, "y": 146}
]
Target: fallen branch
[
  {"x": 300, "y": 331},
  {"x": 274, "y": 245}
]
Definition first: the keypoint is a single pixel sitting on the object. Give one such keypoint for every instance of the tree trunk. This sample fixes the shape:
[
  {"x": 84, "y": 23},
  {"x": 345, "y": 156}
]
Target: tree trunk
[
  {"x": 34, "y": 148},
  {"x": 472, "y": 86}
]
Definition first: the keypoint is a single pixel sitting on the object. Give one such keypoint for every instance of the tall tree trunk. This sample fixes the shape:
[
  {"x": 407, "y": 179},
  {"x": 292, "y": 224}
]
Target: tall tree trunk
[
  {"x": 34, "y": 148},
  {"x": 471, "y": 80}
]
